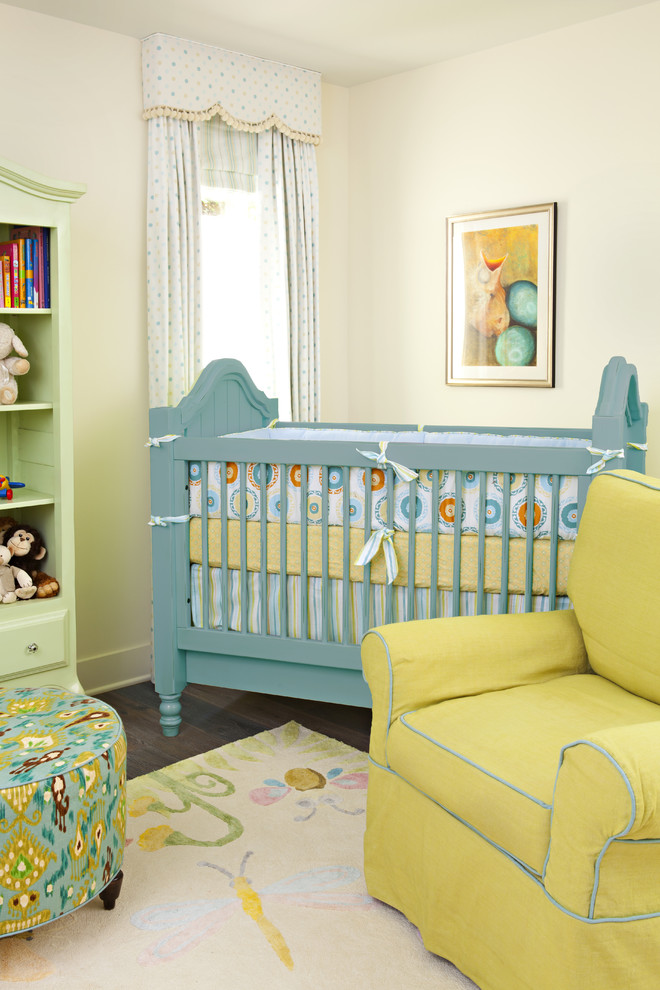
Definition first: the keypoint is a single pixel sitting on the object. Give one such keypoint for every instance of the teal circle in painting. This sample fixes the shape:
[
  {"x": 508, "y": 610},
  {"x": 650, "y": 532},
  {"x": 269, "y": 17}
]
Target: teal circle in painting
[
  {"x": 515, "y": 346},
  {"x": 522, "y": 302}
]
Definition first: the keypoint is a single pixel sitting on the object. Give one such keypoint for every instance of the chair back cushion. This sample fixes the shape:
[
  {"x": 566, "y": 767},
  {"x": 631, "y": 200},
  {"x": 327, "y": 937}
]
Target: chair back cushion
[{"x": 614, "y": 580}]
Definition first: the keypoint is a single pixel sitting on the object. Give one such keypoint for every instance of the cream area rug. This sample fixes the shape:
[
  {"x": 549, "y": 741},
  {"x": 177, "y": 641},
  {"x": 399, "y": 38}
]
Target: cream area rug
[{"x": 243, "y": 869}]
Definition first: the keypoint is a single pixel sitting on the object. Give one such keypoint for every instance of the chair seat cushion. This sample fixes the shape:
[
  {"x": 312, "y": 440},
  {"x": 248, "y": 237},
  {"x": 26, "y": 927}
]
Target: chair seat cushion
[{"x": 486, "y": 761}]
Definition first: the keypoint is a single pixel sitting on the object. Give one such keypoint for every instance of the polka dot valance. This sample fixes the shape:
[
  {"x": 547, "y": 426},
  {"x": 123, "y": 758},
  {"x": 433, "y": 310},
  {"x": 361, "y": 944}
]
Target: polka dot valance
[{"x": 192, "y": 81}]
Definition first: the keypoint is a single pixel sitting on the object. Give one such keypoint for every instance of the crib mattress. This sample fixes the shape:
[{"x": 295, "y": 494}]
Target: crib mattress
[{"x": 542, "y": 550}]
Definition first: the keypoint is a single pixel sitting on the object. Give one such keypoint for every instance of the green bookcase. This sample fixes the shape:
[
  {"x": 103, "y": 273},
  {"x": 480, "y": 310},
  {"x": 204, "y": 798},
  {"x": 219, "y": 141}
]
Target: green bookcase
[{"x": 38, "y": 636}]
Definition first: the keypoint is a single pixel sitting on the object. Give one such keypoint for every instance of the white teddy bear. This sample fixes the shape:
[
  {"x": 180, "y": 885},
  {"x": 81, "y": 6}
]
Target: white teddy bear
[
  {"x": 15, "y": 583},
  {"x": 10, "y": 366}
]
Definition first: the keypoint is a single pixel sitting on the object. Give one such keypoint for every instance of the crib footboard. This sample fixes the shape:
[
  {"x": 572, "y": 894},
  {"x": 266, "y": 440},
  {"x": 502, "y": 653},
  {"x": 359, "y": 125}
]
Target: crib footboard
[{"x": 274, "y": 550}]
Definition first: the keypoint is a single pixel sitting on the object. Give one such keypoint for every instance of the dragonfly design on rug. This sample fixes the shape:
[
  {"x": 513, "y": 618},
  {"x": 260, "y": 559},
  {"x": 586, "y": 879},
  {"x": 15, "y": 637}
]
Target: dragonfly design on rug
[{"x": 192, "y": 921}]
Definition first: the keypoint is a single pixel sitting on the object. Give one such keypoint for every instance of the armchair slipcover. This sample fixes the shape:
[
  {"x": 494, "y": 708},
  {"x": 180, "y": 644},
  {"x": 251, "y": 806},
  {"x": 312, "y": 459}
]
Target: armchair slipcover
[{"x": 513, "y": 809}]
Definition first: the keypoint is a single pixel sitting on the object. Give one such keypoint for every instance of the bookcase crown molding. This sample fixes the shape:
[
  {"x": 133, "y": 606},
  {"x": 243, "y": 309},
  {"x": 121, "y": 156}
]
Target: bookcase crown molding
[{"x": 36, "y": 184}]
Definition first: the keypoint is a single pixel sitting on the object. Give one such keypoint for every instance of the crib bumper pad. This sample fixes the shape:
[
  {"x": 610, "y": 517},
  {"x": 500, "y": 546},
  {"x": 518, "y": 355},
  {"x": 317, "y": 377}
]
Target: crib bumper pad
[{"x": 542, "y": 552}]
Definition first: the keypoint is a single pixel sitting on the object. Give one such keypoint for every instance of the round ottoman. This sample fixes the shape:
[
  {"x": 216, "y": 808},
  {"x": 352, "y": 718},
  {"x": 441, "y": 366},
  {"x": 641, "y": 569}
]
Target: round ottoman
[{"x": 62, "y": 804}]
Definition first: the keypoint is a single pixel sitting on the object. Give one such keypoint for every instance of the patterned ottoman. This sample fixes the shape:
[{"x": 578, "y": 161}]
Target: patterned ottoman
[{"x": 62, "y": 804}]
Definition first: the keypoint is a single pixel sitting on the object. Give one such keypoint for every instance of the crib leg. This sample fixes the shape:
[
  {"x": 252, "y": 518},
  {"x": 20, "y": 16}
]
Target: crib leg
[{"x": 170, "y": 714}]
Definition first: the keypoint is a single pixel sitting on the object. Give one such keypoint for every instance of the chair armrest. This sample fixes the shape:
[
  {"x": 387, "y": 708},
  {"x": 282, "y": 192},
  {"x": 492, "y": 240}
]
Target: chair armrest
[
  {"x": 607, "y": 788},
  {"x": 410, "y": 665}
]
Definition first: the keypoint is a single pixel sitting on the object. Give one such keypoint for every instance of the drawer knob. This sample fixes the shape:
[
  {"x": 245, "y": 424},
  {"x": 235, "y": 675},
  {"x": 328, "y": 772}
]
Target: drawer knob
[{"x": 32, "y": 648}]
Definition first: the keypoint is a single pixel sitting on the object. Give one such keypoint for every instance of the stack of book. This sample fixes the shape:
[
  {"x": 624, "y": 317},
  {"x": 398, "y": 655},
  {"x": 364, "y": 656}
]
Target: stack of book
[{"x": 25, "y": 268}]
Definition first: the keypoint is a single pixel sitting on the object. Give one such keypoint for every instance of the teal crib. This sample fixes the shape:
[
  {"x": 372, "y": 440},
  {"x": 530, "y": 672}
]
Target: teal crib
[{"x": 276, "y": 546}]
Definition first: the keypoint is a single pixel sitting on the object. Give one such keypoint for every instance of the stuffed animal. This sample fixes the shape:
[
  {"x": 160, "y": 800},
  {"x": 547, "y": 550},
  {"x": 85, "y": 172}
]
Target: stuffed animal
[
  {"x": 25, "y": 543},
  {"x": 11, "y": 366},
  {"x": 15, "y": 583}
]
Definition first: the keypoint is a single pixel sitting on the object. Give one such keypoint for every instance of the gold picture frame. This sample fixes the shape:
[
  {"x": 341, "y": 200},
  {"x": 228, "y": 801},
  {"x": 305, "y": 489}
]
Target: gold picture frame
[{"x": 501, "y": 297}]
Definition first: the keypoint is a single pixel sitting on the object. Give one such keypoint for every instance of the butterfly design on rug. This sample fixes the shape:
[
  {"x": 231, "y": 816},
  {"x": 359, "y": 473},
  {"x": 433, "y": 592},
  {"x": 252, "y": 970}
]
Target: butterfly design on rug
[
  {"x": 306, "y": 779},
  {"x": 192, "y": 921}
]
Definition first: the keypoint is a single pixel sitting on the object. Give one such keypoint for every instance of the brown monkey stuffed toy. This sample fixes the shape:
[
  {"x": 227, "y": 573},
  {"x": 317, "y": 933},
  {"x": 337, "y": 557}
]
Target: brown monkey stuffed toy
[{"x": 27, "y": 546}]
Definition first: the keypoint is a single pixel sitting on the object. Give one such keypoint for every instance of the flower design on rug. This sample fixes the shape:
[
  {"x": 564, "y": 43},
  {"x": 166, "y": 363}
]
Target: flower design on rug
[
  {"x": 191, "y": 785},
  {"x": 307, "y": 779},
  {"x": 192, "y": 921}
]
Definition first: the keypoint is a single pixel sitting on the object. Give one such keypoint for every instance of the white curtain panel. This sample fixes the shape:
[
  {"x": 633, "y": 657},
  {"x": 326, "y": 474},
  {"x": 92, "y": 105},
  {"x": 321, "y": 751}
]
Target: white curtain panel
[
  {"x": 288, "y": 184},
  {"x": 173, "y": 259}
]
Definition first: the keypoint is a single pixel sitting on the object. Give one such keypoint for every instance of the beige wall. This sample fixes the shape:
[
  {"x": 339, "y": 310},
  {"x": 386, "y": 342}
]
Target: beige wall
[
  {"x": 75, "y": 114},
  {"x": 571, "y": 117}
]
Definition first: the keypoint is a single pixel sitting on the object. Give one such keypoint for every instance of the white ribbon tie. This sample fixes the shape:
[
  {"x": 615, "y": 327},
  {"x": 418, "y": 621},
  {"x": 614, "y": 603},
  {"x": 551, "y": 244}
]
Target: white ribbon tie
[{"x": 402, "y": 472}]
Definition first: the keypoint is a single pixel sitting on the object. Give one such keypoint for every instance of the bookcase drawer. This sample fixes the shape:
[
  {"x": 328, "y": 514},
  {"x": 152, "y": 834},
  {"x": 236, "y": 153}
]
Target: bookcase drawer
[{"x": 34, "y": 645}]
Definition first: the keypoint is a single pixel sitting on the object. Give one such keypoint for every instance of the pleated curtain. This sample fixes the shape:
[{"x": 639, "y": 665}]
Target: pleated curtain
[
  {"x": 174, "y": 207},
  {"x": 288, "y": 184}
]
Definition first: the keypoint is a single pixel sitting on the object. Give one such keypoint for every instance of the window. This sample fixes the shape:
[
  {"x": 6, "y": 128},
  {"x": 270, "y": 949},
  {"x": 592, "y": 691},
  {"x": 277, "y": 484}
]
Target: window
[{"x": 231, "y": 310}]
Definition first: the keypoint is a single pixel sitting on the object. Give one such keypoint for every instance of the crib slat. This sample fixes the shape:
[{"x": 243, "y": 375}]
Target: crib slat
[
  {"x": 284, "y": 581},
  {"x": 325, "y": 581},
  {"x": 458, "y": 513},
  {"x": 435, "y": 511},
  {"x": 243, "y": 527},
  {"x": 224, "y": 589},
  {"x": 304, "y": 579},
  {"x": 506, "y": 533},
  {"x": 389, "y": 589},
  {"x": 412, "y": 533},
  {"x": 529, "y": 538},
  {"x": 263, "y": 563},
  {"x": 347, "y": 552},
  {"x": 554, "y": 539},
  {"x": 481, "y": 561},
  {"x": 204, "y": 510},
  {"x": 366, "y": 571}
]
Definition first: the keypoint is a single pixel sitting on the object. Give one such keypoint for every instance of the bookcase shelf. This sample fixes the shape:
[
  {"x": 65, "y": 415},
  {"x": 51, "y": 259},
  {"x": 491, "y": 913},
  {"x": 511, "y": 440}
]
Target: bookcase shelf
[
  {"x": 26, "y": 407},
  {"x": 16, "y": 311},
  {"x": 23, "y": 498},
  {"x": 37, "y": 636}
]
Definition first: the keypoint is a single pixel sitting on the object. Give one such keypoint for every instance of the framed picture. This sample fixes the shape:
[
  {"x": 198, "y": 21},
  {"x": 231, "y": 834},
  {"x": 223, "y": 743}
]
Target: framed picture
[{"x": 500, "y": 297}]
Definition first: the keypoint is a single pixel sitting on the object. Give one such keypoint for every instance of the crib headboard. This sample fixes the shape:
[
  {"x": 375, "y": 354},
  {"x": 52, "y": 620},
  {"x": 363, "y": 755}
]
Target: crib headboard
[
  {"x": 620, "y": 418},
  {"x": 224, "y": 399}
]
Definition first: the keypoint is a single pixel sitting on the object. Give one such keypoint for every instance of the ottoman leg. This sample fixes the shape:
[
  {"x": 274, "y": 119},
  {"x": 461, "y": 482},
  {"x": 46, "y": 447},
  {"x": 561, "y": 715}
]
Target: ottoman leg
[{"x": 110, "y": 893}]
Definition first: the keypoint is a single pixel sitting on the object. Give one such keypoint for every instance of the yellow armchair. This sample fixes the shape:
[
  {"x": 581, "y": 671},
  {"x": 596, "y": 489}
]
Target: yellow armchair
[{"x": 513, "y": 810}]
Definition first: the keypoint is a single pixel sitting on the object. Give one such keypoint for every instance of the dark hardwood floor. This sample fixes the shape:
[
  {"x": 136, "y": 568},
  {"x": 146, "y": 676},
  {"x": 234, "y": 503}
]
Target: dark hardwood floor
[{"x": 215, "y": 716}]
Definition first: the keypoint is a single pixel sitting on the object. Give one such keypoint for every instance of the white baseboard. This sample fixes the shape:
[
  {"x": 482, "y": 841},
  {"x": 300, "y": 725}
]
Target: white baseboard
[{"x": 111, "y": 671}]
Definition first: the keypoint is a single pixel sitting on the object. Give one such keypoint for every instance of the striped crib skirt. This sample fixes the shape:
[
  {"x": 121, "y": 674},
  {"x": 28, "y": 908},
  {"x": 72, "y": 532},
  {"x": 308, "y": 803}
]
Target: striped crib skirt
[{"x": 316, "y": 608}]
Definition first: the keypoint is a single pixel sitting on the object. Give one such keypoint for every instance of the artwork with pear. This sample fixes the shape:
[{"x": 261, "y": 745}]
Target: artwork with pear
[{"x": 500, "y": 297}]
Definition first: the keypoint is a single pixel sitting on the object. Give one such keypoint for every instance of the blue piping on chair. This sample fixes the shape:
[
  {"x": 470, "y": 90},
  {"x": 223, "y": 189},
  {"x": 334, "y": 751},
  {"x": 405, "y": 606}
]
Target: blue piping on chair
[
  {"x": 617, "y": 766},
  {"x": 471, "y": 763},
  {"x": 631, "y": 481},
  {"x": 373, "y": 632},
  {"x": 530, "y": 874},
  {"x": 381, "y": 767}
]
